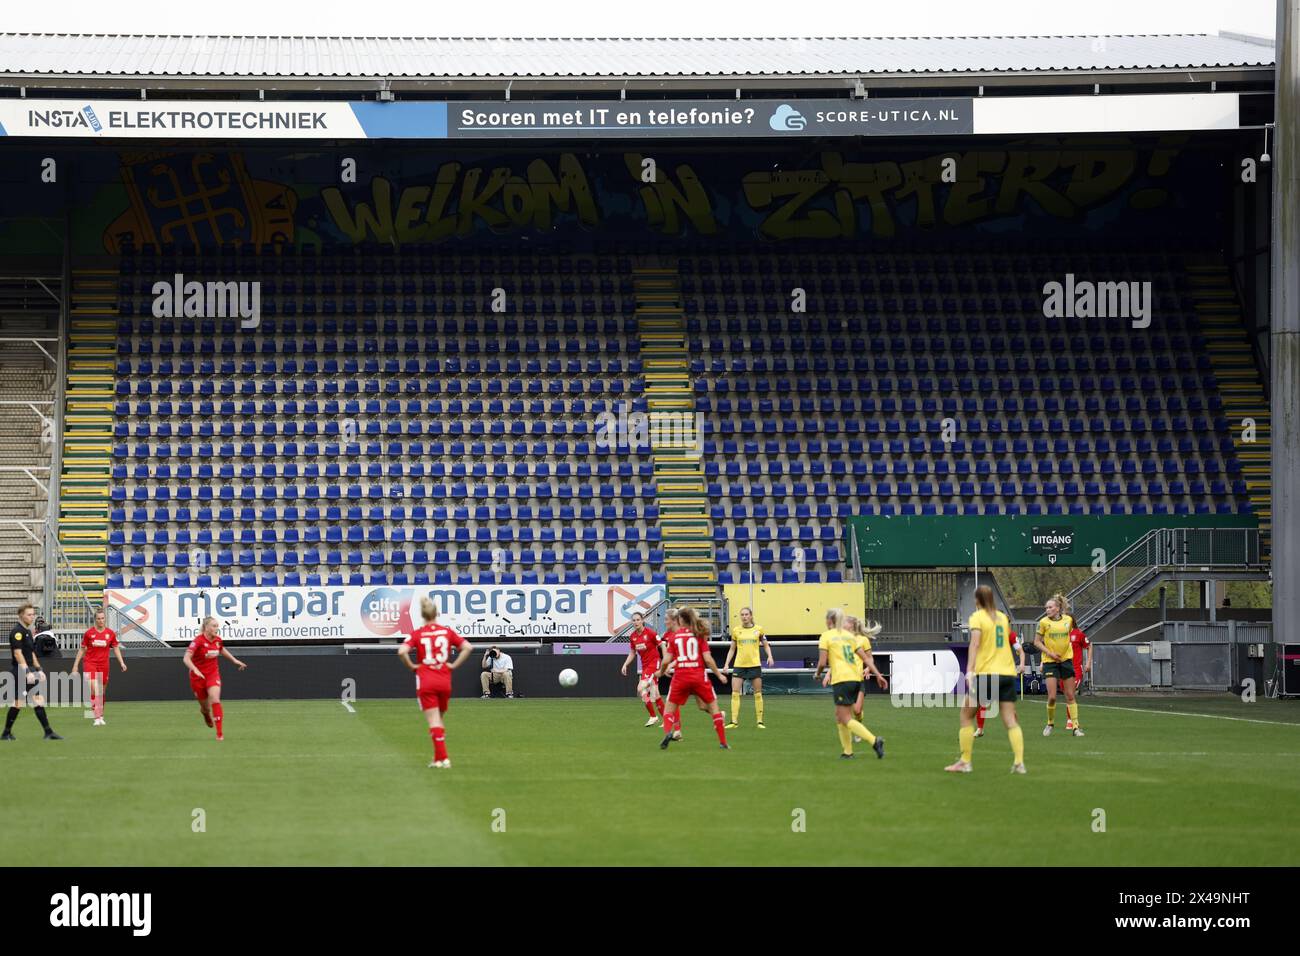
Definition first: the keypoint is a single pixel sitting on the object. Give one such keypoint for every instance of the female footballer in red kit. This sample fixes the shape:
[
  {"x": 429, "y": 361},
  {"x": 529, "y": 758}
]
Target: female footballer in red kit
[
  {"x": 691, "y": 660},
  {"x": 201, "y": 660},
  {"x": 434, "y": 642}
]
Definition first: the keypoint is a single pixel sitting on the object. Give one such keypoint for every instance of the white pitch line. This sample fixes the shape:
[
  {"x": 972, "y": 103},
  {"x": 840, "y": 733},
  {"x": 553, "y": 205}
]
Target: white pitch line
[
  {"x": 1183, "y": 713},
  {"x": 1176, "y": 753},
  {"x": 207, "y": 756}
]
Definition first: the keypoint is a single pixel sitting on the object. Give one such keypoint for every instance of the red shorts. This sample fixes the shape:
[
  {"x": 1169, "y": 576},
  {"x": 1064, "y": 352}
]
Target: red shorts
[
  {"x": 200, "y": 685},
  {"x": 686, "y": 683},
  {"x": 94, "y": 673},
  {"x": 433, "y": 689}
]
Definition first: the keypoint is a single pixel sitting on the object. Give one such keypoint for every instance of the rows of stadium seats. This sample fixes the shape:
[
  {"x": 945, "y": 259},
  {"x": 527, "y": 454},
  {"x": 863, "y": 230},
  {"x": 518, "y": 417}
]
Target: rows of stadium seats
[
  {"x": 416, "y": 436},
  {"x": 934, "y": 384},
  {"x": 385, "y": 423}
]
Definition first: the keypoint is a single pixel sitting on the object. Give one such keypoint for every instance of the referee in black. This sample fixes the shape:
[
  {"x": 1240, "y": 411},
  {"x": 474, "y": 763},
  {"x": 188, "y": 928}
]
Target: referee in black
[{"x": 27, "y": 674}]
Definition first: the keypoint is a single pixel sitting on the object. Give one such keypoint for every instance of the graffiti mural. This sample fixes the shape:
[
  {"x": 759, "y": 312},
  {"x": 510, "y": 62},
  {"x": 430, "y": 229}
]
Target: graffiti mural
[
  {"x": 202, "y": 199},
  {"x": 1044, "y": 188}
]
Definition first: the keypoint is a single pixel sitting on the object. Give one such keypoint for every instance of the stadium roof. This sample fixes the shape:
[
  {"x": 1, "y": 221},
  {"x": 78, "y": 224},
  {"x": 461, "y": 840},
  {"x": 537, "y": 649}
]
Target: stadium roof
[{"x": 439, "y": 61}]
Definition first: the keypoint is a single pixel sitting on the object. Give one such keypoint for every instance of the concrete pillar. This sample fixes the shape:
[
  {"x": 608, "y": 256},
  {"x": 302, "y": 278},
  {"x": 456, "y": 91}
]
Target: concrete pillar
[{"x": 1285, "y": 337}]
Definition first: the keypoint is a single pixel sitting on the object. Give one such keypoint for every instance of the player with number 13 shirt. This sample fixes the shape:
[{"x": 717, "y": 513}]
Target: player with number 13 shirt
[{"x": 434, "y": 642}]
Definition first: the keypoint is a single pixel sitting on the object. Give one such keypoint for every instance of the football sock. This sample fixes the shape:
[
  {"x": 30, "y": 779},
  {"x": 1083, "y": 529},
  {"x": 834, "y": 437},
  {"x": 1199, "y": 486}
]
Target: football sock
[
  {"x": 659, "y": 703},
  {"x": 735, "y": 707},
  {"x": 40, "y": 715},
  {"x": 10, "y": 718},
  {"x": 439, "y": 735},
  {"x": 979, "y": 718},
  {"x": 860, "y": 729},
  {"x": 1073, "y": 710},
  {"x": 846, "y": 738},
  {"x": 1051, "y": 713},
  {"x": 216, "y": 717},
  {"x": 649, "y": 705},
  {"x": 966, "y": 737},
  {"x": 1017, "y": 743},
  {"x": 758, "y": 707},
  {"x": 718, "y": 727}
]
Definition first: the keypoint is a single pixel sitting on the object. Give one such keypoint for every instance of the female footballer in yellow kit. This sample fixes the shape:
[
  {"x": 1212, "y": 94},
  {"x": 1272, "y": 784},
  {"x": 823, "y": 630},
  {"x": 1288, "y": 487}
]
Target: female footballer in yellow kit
[
  {"x": 745, "y": 643},
  {"x": 990, "y": 680},
  {"x": 845, "y": 653},
  {"x": 1053, "y": 642}
]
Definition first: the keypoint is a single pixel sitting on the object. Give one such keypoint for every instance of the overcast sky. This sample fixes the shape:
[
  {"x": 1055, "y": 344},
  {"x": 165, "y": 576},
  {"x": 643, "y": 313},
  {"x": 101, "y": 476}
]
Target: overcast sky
[{"x": 641, "y": 18}]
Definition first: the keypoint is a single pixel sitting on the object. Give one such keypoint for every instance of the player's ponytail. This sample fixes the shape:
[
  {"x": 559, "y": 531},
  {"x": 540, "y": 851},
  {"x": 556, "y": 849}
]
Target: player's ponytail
[
  {"x": 984, "y": 599},
  {"x": 428, "y": 610},
  {"x": 835, "y": 619},
  {"x": 693, "y": 622},
  {"x": 867, "y": 629}
]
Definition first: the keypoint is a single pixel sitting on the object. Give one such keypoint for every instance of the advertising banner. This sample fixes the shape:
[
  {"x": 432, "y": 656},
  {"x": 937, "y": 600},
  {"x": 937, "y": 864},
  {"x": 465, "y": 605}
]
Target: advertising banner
[
  {"x": 712, "y": 118},
  {"x": 495, "y": 612},
  {"x": 1016, "y": 541},
  {"x": 634, "y": 119}
]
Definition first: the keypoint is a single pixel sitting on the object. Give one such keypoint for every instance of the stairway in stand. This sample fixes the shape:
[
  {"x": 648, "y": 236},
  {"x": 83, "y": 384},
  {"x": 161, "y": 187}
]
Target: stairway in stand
[
  {"x": 1241, "y": 385},
  {"x": 88, "y": 427},
  {"x": 676, "y": 442}
]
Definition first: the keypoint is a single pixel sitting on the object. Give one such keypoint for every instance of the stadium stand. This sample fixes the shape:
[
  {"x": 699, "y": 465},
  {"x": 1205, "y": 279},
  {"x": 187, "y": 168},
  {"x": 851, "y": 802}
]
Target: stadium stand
[
  {"x": 385, "y": 425},
  {"x": 814, "y": 417},
  {"x": 26, "y": 381}
]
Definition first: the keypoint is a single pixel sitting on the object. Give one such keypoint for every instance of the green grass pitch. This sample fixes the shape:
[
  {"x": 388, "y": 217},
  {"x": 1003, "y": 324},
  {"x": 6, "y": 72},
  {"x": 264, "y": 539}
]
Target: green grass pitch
[{"x": 574, "y": 782}]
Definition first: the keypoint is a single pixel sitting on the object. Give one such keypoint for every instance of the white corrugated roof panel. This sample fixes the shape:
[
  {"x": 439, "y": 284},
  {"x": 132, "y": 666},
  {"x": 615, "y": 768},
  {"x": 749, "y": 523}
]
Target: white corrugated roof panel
[{"x": 432, "y": 57}]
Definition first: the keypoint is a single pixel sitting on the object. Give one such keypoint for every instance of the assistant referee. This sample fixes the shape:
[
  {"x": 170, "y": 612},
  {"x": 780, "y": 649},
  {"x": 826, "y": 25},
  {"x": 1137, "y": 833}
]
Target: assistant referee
[{"x": 28, "y": 675}]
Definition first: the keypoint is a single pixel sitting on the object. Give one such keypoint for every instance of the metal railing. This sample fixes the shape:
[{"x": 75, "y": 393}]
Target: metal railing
[
  {"x": 69, "y": 610},
  {"x": 1125, "y": 577},
  {"x": 129, "y": 630},
  {"x": 712, "y": 610},
  {"x": 1216, "y": 632},
  {"x": 654, "y": 619},
  {"x": 912, "y": 602},
  {"x": 66, "y": 607}
]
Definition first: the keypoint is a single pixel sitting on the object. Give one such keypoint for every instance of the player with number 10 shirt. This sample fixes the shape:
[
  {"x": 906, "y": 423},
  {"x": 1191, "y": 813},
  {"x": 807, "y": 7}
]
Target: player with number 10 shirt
[{"x": 691, "y": 660}]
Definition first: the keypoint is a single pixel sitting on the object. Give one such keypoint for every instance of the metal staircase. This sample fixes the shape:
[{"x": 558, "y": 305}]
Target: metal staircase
[
  {"x": 30, "y": 307},
  {"x": 88, "y": 429},
  {"x": 689, "y": 561},
  {"x": 1167, "y": 554},
  {"x": 1241, "y": 385}
]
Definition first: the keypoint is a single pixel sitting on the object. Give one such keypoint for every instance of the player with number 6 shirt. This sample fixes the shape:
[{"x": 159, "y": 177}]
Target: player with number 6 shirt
[
  {"x": 990, "y": 681},
  {"x": 434, "y": 642}
]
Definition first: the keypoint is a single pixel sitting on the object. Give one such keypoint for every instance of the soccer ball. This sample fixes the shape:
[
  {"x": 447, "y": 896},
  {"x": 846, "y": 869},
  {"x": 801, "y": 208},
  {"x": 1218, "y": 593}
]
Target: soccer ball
[{"x": 568, "y": 677}]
